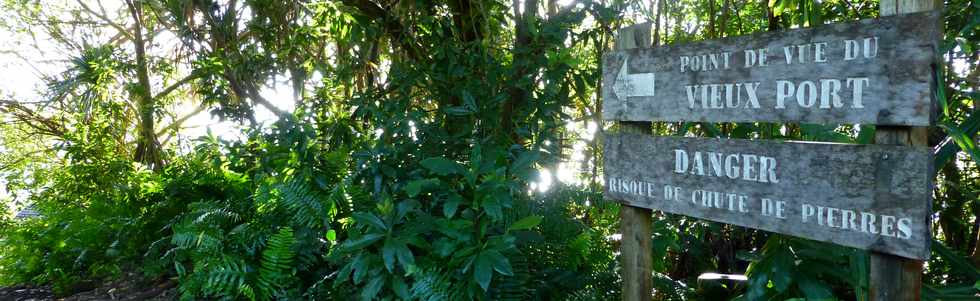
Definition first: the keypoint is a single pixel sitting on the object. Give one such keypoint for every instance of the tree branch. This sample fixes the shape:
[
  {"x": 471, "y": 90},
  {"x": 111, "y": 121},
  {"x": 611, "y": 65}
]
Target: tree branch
[
  {"x": 105, "y": 18},
  {"x": 176, "y": 85},
  {"x": 32, "y": 119},
  {"x": 179, "y": 122},
  {"x": 391, "y": 25}
]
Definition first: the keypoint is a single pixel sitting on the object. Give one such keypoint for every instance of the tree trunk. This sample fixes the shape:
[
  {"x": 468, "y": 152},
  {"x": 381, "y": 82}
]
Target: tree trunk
[
  {"x": 656, "y": 22},
  {"x": 723, "y": 19},
  {"x": 147, "y": 146},
  {"x": 518, "y": 95},
  {"x": 771, "y": 20},
  {"x": 711, "y": 20}
]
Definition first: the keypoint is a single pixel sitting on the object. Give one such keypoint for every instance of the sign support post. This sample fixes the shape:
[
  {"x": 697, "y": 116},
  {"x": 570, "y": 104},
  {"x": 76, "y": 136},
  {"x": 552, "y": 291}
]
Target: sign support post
[
  {"x": 635, "y": 222},
  {"x": 893, "y": 277}
]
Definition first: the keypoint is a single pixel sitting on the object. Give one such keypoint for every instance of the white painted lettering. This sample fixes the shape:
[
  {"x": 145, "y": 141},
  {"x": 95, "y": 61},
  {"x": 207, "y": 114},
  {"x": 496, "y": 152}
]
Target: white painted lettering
[
  {"x": 851, "y": 50},
  {"x": 731, "y": 166},
  {"x": 904, "y": 228},
  {"x": 780, "y": 210},
  {"x": 748, "y": 164},
  {"x": 858, "y": 88},
  {"x": 784, "y": 89},
  {"x": 697, "y": 166},
  {"x": 750, "y": 58},
  {"x": 887, "y": 225},
  {"x": 690, "y": 94},
  {"x": 750, "y": 89},
  {"x": 870, "y": 47},
  {"x": 680, "y": 161},
  {"x": 868, "y": 223},
  {"x": 807, "y": 211},
  {"x": 818, "y": 52},
  {"x": 830, "y": 94},
  {"x": 806, "y": 95}
]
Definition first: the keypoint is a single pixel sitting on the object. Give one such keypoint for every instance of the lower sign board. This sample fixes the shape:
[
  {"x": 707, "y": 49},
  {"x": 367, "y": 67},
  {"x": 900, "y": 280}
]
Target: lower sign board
[{"x": 873, "y": 197}]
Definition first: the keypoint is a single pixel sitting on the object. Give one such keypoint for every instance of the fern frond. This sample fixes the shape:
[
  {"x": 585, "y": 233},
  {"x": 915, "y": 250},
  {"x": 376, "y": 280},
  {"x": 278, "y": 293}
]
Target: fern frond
[
  {"x": 435, "y": 285},
  {"x": 227, "y": 277},
  {"x": 277, "y": 262},
  {"x": 516, "y": 287},
  {"x": 220, "y": 214},
  {"x": 305, "y": 207}
]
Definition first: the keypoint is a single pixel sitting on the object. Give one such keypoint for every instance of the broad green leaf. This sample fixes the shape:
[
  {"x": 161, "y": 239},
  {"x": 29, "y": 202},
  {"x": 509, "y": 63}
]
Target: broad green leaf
[
  {"x": 370, "y": 219},
  {"x": 757, "y": 286},
  {"x": 962, "y": 140},
  {"x": 442, "y": 166},
  {"x": 401, "y": 289},
  {"x": 415, "y": 187},
  {"x": 388, "y": 254},
  {"x": 492, "y": 207},
  {"x": 370, "y": 291},
  {"x": 941, "y": 92},
  {"x": 460, "y": 111},
  {"x": 444, "y": 247},
  {"x": 344, "y": 273},
  {"x": 404, "y": 255},
  {"x": 449, "y": 208},
  {"x": 782, "y": 264},
  {"x": 957, "y": 262},
  {"x": 948, "y": 151},
  {"x": 362, "y": 241},
  {"x": 331, "y": 235},
  {"x": 525, "y": 223},
  {"x": 483, "y": 270},
  {"x": 361, "y": 268},
  {"x": 500, "y": 263},
  {"x": 524, "y": 163},
  {"x": 813, "y": 289}
]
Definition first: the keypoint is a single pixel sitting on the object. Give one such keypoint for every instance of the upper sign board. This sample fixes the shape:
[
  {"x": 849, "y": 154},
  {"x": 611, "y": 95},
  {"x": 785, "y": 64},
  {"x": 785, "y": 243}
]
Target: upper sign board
[
  {"x": 868, "y": 72},
  {"x": 875, "y": 197}
]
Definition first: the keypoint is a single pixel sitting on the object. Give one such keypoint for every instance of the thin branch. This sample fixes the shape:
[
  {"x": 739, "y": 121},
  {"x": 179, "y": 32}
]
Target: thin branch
[
  {"x": 176, "y": 85},
  {"x": 106, "y": 19},
  {"x": 32, "y": 119},
  {"x": 179, "y": 122}
]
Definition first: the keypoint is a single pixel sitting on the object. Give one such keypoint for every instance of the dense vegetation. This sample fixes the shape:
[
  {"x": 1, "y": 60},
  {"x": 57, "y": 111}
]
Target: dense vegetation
[{"x": 409, "y": 168}]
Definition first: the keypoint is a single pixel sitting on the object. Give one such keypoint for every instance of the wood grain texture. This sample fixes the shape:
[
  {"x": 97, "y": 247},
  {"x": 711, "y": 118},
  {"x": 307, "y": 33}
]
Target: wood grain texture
[
  {"x": 892, "y": 277},
  {"x": 898, "y": 92},
  {"x": 635, "y": 222},
  {"x": 873, "y": 179}
]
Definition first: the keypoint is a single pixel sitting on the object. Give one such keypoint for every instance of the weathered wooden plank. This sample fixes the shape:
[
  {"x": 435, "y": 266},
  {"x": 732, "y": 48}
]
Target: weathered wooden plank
[
  {"x": 635, "y": 222},
  {"x": 892, "y": 277},
  {"x": 866, "y": 196},
  {"x": 869, "y": 72}
]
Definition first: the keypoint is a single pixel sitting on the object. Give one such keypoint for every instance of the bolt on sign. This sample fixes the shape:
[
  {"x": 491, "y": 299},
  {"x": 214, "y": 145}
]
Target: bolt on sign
[
  {"x": 867, "y": 72},
  {"x": 873, "y": 197}
]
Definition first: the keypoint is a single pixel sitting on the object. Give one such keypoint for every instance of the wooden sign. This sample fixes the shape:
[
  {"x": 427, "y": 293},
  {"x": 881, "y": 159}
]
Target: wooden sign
[
  {"x": 869, "y": 72},
  {"x": 873, "y": 197}
]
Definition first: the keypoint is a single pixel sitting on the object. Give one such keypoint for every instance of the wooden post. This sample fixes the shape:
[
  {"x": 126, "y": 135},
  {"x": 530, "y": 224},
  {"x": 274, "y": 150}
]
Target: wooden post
[
  {"x": 893, "y": 277},
  {"x": 635, "y": 222}
]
